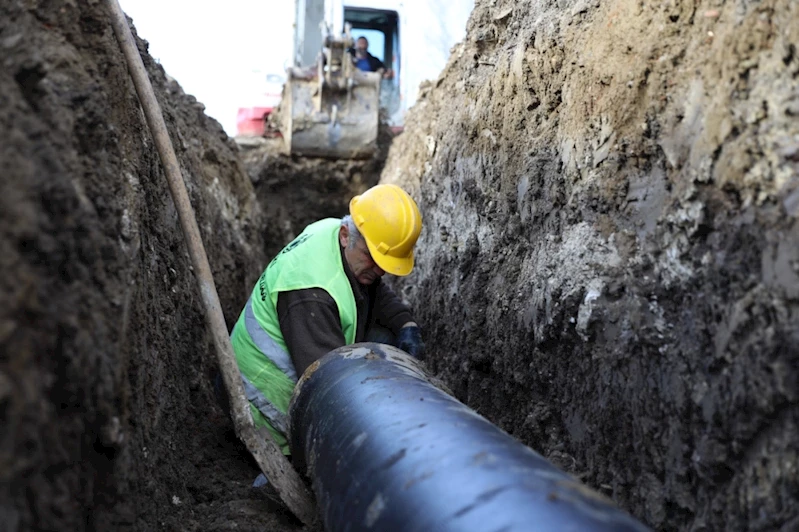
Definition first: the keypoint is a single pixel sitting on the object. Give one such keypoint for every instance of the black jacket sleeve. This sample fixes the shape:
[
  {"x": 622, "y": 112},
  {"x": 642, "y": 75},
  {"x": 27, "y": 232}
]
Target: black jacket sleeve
[
  {"x": 310, "y": 324},
  {"x": 389, "y": 310},
  {"x": 375, "y": 64}
]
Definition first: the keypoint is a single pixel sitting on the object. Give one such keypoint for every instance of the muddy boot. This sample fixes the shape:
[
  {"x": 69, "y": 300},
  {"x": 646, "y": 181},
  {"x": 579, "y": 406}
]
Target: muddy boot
[{"x": 260, "y": 481}]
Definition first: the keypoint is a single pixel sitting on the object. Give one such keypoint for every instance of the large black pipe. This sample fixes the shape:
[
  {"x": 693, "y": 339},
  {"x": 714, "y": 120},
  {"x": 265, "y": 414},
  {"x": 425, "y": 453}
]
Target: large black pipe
[{"x": 388, "y": 450}]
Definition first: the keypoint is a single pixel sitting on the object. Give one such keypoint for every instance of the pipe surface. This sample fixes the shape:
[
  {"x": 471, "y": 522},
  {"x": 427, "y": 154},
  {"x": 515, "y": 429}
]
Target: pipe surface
[
  {"x": 260, "y": 444},
  {"x": 386, "y": 449}
]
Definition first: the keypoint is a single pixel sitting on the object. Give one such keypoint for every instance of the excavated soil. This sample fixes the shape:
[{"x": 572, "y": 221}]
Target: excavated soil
[
  {"x": 609, "y": 268},
  {"x": 610, "y": 262},
  {"x": 108, "y": 415},
  {"x": 296, "y": 191}
]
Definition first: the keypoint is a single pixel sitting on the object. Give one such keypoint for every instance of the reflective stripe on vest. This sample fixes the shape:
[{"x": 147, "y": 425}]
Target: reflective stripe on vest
[
  {"x": 278, "y": 419},
  {"x": 267, "y": 345}
]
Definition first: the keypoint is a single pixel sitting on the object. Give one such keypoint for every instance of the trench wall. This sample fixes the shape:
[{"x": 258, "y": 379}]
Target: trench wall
[
  {"x": 609, "y": 267},
  {"x": 105, "y": 362}
]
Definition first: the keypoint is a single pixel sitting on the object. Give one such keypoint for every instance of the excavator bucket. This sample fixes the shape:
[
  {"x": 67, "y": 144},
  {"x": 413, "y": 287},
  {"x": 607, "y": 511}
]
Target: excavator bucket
[
  {"x": 330, "y": 123},
  {"x": 331, "y": 110}
]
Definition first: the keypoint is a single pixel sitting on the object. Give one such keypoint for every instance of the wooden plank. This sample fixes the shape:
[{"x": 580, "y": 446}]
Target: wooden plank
[{"x": 274, "y": 465}]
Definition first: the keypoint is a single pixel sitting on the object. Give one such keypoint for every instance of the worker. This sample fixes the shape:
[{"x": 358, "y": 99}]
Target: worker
[
  {"x": 322, "y": 291},
  {"x": 367, "y": 62}
]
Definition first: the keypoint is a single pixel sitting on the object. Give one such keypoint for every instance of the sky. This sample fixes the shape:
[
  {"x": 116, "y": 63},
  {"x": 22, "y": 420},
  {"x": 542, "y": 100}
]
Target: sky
[{"x": 218, "y": 51}]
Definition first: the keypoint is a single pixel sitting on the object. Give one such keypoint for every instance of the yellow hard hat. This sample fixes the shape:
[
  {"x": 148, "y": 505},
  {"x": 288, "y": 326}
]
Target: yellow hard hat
[{"x": 390, "y": 222}]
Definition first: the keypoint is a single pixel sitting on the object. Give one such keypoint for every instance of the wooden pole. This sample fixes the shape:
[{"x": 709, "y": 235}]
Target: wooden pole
[{"x": 277, "y": 469}]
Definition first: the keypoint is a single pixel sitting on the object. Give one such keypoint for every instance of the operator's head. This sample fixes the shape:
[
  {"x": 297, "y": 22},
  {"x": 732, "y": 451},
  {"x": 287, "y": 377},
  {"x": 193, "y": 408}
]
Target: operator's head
[
  {"x": 379, "y": 234},
  {"x": 362, "y": 44}
]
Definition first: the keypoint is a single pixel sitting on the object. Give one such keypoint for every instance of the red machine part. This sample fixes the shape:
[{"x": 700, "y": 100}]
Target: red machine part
[{"x": 251, "y": 121}]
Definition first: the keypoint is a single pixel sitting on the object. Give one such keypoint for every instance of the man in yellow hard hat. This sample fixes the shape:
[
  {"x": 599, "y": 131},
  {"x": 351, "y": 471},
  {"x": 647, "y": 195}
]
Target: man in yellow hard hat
[{"x": 323, "y": 291}]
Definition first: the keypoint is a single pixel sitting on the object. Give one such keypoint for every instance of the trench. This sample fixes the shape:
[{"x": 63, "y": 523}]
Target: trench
[{"x": 607, "y": 271}]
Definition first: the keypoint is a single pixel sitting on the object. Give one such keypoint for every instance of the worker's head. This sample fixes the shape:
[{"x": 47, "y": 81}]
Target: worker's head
[
  {"x": 361, "y": 44},
  {"x": 380, "y": 233},
  {"x": 357, "y": 254}
]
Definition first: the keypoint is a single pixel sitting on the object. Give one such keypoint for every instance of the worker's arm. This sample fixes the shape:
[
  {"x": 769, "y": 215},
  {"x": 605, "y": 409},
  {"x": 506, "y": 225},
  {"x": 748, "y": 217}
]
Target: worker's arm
[
  {"x": 389, "y": 310},
  {"x": 376, "y": 65},
  {"x": 392, "y": 313},
  {"x": 310, "y": 325}
]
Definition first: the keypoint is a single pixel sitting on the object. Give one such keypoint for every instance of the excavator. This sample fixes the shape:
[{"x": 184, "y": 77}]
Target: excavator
[
  {"x": 332, "y": 112},
  {"x": 329, "y": 108}
]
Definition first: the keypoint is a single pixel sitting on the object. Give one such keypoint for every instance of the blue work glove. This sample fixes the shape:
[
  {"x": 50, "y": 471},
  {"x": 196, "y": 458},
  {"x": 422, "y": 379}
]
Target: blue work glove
[{"x": 409, "y": 340}]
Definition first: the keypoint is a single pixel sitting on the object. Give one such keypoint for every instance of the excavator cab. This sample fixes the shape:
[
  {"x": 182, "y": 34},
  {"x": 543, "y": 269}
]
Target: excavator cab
[
  {"x": 332, "y": 109},
  {"x": 381, "y": 29}
]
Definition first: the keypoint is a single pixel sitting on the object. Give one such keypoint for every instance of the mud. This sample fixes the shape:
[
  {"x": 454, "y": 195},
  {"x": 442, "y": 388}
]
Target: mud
[
  {"x": 296, "y": 191},
  {"x": 609, "y": 268},
  {"x": 108, "y": 415}
]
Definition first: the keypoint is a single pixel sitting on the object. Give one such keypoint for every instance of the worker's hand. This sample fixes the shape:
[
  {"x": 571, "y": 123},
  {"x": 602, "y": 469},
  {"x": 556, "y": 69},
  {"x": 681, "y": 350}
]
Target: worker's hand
[{"x": 409, "y": 340}]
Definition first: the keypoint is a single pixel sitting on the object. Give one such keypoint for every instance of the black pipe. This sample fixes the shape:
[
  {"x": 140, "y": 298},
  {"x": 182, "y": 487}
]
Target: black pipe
[{"x": 386, "y": 450}]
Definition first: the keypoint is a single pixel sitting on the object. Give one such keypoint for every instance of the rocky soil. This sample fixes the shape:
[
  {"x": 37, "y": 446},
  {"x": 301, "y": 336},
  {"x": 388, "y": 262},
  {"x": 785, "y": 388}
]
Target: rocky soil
[
  {"x": 610, "y": 262},
  {"x": 107, "y": 415}
]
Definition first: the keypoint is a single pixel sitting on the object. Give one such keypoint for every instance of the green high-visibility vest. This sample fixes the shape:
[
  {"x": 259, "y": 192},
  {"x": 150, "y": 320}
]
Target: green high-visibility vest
[{"x": 312, "y": 260}]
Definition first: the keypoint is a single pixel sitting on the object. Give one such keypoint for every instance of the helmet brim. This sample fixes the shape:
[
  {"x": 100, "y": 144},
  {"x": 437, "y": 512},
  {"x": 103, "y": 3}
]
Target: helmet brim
[{"x": 393, "y": 265}]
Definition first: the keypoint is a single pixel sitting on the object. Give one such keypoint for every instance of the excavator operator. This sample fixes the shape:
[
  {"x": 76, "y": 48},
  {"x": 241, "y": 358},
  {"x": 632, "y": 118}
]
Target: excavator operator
[
  {"x": 367, "y": 62},
  {"x": 323, "y": 291}
]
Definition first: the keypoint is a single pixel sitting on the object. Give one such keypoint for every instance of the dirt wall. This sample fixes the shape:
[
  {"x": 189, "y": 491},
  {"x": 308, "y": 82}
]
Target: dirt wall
[
  {"x": 609, "y": 267},
  {"x": 108, "y": 417}
]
